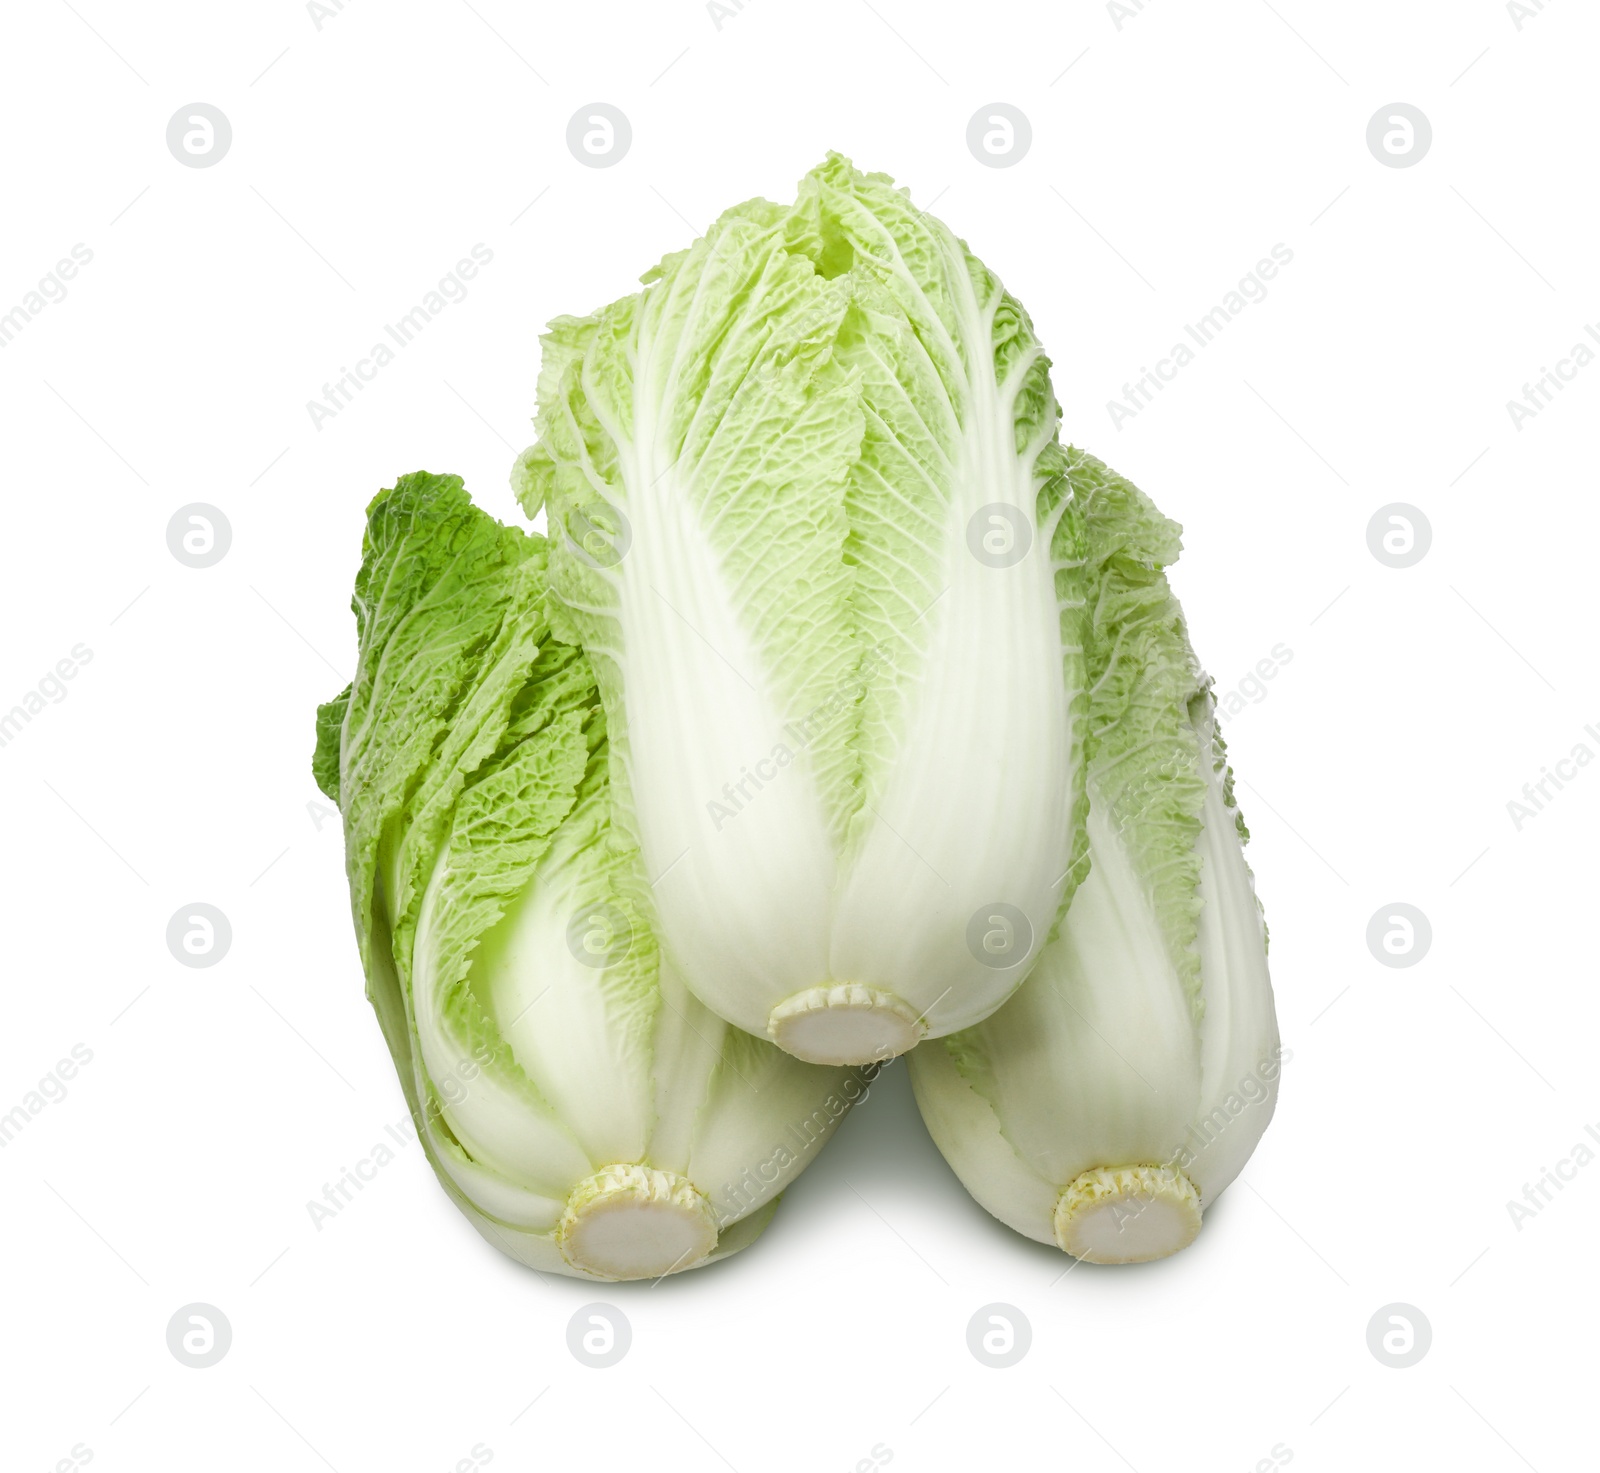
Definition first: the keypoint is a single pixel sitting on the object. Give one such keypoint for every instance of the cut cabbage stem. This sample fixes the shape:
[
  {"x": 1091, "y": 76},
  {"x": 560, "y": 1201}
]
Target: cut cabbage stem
[
  {"x": 633, "y": 1222},
  {"x": 1127, "y": 1214},
  {"x": 845, "y": 1024}
]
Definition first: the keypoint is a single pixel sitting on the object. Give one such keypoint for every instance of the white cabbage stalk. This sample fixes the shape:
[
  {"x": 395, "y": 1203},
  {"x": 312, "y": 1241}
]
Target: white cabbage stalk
[
  {"x": 808, "y": 521},
  {"x": 582, "y": 1108},
  {"x": 1126, "y": 1084}
]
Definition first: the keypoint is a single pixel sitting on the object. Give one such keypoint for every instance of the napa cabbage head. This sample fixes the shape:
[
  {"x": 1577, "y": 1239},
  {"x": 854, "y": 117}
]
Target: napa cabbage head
[
  {"x": 1130, "y": 1078},
  {"x": 581, "y": 1107},
  {"x": 810, "y": 521}
]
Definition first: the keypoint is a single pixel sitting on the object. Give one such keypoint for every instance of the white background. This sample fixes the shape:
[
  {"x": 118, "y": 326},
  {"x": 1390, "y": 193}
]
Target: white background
[{"x": 1168, "y": 156}]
